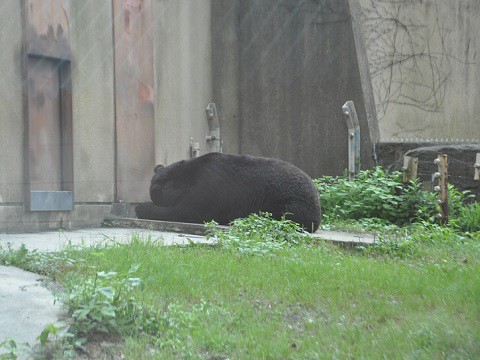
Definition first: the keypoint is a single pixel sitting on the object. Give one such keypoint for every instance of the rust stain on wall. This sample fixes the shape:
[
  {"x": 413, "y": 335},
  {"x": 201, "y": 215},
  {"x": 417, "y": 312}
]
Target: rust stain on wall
[
  {"x": 45, "y": 16},
  {"x": 145, "y": 93},
  {"x": 131, "y": 9},
  {"x": 47, "y": 31}
]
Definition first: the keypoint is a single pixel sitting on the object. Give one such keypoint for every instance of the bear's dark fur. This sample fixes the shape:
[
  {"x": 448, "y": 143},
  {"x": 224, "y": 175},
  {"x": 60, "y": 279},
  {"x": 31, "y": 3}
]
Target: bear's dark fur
[{"x": 225, "y": 187}]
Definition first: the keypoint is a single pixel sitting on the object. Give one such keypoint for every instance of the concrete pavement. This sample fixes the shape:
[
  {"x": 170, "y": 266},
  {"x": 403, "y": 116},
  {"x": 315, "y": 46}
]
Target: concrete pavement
[
  {"x": 26, "y": 306},
  {"x": 57, "y": 240}
]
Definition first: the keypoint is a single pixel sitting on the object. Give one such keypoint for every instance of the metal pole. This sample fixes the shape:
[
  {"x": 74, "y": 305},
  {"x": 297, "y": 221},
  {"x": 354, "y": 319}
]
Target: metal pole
[
  {"x": 477, "y": 168},
  {"x": 214, "y": 142},
  {"x": 442, "y": 188},
  {"x": 353, "y": 126}
]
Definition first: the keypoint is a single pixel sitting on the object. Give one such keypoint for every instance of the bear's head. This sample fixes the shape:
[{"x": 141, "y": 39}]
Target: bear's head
[{"x": 166, "y": 188}]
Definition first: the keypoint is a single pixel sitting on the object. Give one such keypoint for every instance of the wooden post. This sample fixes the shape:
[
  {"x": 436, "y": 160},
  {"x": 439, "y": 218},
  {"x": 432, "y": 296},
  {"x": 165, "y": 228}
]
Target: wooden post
[
  {"x": 410, "y": 168},
  {"x": 442, "y": 188},
  {"x": 477, "y": 168},
  {"x": 353, "y": 126}
]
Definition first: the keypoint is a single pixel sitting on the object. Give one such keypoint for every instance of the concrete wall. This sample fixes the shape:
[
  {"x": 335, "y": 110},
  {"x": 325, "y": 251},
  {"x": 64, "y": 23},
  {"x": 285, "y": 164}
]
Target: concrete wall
[
  {"x": 294, "y": 67},
  {"x": 11, "y": 105},
  {"x": 93, "y": 119},
  {"x": 225, "y": 74},
  {"x": 11, "y": 113},
  {"x": 93, "y": 101},
  {"x": 183, "y": 76},
  {"x": 424, "y": 66}
]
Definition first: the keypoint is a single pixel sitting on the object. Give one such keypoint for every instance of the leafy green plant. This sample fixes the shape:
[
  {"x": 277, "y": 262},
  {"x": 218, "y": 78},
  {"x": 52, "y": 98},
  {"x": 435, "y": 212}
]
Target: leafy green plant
[
  {"x": 467, "y": 218},
  {"x": 11, "y": 256},
  {"x": 101, "y": 303},
  {"x": 375, "y": 194},
  {"x": 44, "y": 263},
  {"x": 10, "y": 349},
  {"x": 259, "y": 234}
]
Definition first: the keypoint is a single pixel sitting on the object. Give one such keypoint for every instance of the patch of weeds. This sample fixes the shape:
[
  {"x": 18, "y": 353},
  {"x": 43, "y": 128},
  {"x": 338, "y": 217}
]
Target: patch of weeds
[
  {"x": 47, "y": 263},
  {"x": 10, "y": 349},
  {"x": 11, "y": 256},
  {"x": 259, "y": 234},
  {"x": 56, "y": 342},
  {"x": 400, "y": 248},
  {"x": 101, "y": 303},
  {"x": 467, "y": 218},
  {"x": 105, "y": 303},
  {"x": 457, "y": 200}
]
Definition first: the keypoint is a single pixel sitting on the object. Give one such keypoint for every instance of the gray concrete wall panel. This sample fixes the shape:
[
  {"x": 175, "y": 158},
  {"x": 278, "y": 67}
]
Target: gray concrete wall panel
[
  {"x": 11, "y": 103},
  {"x": 225, "y": 65},
  {"x": 93, "y": 101},
  {"x": 183, "y": 76}
]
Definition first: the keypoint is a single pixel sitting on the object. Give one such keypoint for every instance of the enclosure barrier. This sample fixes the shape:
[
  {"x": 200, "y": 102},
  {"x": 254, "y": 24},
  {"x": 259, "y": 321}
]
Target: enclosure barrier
[
  {"x": 410, "y": 173},
  {"x": 410, "y": 168},
  {"x": 214, "y": 142}
]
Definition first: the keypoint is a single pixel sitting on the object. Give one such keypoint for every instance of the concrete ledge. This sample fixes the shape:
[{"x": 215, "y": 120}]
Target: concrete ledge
[
  {"x": 179, "y": 227},
  {"x": 344, "y": 238},
  {"x": 341, "y": 238}
]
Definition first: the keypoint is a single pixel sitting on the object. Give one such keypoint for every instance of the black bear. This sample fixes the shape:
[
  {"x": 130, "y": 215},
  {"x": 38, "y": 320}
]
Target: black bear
[{"x": 225, "y": 187}]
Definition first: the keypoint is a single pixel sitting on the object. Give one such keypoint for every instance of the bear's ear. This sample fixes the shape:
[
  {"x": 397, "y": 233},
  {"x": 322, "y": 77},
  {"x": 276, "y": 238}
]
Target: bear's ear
[{"x": 158, "y": 168}]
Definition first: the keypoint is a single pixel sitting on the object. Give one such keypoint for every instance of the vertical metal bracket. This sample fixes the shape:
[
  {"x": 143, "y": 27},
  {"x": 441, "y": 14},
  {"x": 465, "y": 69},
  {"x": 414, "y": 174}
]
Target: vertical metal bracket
[
  {"x": 442, "y": 187},
  {"x": 477, "y": 168},
  {"x": 194, "y": 149},
  {"x": 214, "y": 142},
  {"x": 353, "y": 126}
]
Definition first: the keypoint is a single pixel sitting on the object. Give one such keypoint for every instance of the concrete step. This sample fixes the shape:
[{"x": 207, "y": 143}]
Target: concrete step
[{"x": 344, "y": 238}]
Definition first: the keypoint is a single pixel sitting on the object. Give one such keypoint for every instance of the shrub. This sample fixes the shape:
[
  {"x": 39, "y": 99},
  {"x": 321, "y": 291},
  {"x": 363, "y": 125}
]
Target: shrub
[{"x": 375, "y": 194}]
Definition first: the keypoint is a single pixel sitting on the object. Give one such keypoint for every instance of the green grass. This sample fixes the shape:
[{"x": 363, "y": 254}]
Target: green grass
[
  {"x": 305, "y": 302},
  {"x": 269, "y": 291}
]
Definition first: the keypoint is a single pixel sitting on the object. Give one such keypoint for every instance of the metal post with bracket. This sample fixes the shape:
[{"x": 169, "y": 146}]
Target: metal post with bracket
[
  {"x": 214, "y": 142},
  {"x": 442, "y": 187},
  {"x": 477, "y": 168},
  {"x": 353, "y": 126}
]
